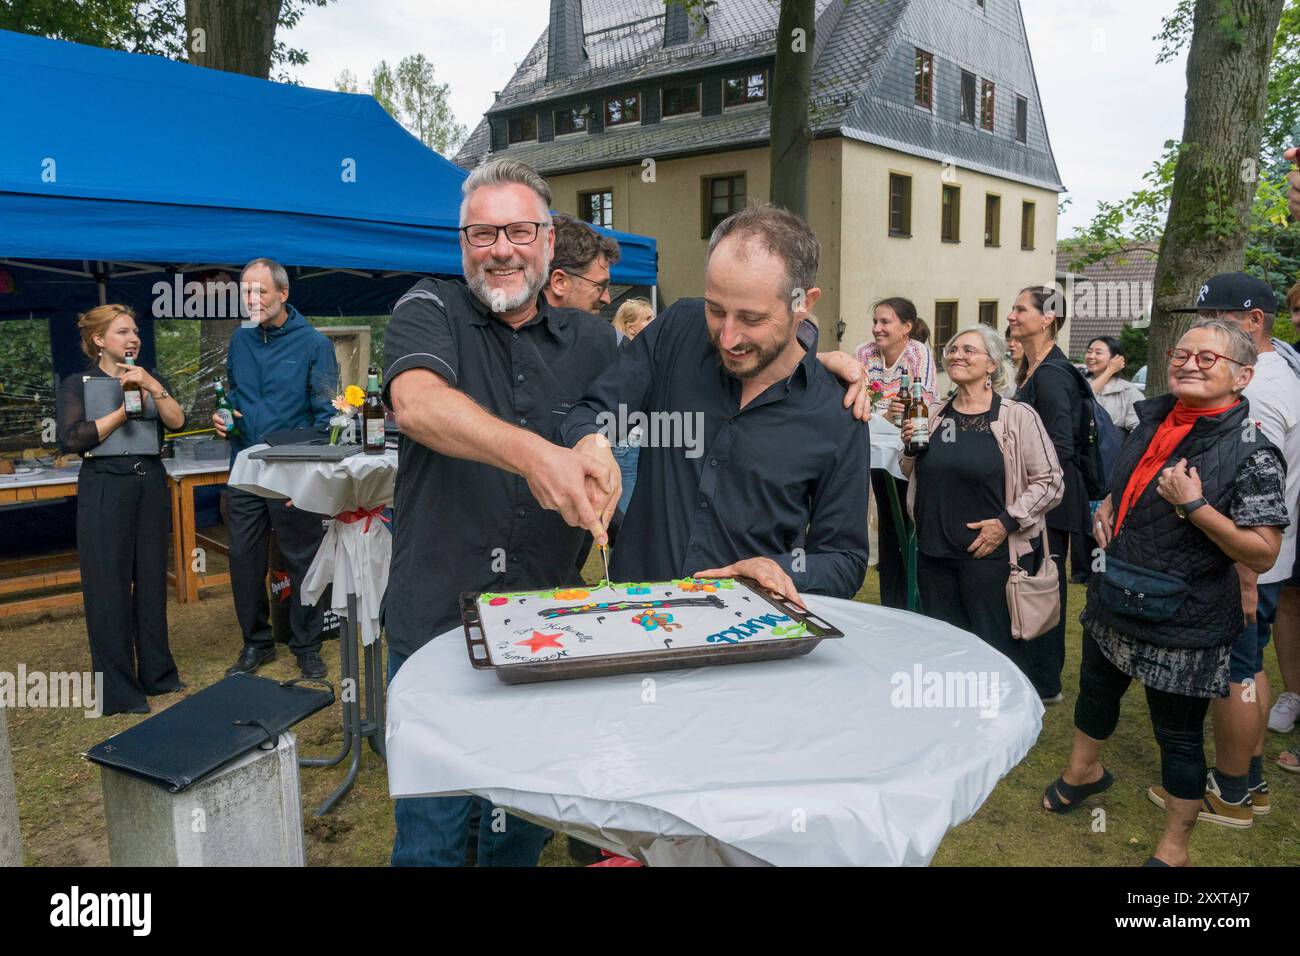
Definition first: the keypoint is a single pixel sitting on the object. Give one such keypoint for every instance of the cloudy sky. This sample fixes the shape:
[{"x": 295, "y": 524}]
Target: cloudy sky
[{"x": 1109, "y": 107}]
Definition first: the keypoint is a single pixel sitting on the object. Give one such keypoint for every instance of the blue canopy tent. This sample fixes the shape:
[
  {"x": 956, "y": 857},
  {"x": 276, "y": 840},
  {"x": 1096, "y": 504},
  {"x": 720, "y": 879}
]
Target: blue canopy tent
[{"x": 121, "y": 170}]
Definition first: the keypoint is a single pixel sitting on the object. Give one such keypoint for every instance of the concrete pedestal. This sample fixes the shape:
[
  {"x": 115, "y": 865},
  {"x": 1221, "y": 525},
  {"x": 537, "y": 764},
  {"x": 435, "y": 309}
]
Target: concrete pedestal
[
  {"x": 247, "y": 814},
  {"x": 11, "y": 844}
]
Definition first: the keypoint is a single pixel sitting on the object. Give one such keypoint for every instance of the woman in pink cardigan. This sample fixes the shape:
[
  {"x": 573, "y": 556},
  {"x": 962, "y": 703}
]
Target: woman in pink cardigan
[{"x": 979, "y": 492}]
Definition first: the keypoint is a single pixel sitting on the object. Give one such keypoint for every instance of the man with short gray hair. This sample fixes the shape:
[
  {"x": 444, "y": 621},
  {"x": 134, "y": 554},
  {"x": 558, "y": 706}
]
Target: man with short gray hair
[
  {"x": 281, "y": 373},
  {"x": 479, "y": 376}
]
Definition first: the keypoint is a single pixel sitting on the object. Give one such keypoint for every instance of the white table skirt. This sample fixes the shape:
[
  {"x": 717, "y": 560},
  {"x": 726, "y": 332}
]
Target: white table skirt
[
  {"x": 886, "y": 446},
  {"x": 832, "y": 758},
  {"x": 356, "y": 553}
]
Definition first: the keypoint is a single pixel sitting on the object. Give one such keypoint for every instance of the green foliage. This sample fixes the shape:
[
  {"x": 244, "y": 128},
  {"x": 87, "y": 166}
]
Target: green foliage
[
  {"x": 26, "y": 383},
  {"x": 1134, "y": 343},
  {"x": 412, "y": 96},
  {"x": 136, "y": 26}
]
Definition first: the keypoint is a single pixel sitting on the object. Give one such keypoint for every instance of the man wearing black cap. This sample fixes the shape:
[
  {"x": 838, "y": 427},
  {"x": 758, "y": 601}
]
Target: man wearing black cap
[{"x": 1274, "y": 396}]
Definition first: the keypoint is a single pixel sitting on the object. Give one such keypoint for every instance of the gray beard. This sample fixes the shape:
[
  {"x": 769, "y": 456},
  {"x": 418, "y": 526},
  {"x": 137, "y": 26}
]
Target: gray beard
[{"x": 495, "y": 300}]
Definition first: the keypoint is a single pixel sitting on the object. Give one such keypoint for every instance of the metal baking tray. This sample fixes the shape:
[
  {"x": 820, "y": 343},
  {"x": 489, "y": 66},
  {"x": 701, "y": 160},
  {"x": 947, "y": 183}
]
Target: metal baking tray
[{"x": 667, "y": 658}]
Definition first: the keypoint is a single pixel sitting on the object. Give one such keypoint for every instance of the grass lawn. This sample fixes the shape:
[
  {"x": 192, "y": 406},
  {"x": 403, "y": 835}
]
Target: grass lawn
[{"x": 63, "y": 822}]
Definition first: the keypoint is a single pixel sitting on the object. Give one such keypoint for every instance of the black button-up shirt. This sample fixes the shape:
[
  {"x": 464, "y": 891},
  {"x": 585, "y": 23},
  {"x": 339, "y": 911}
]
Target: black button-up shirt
[
  {"x": 460, "y": 525},
  {"x": 739, "y": 483}
]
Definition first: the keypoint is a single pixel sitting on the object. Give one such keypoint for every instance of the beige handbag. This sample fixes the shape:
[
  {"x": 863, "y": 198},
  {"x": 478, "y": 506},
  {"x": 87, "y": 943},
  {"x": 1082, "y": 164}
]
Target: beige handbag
[{"x": 1034, "y": 599}]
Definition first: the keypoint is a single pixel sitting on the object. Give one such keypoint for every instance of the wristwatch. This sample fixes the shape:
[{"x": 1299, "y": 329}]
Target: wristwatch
[
  {"x": 1188, "y": 507},
  {"x": 161, "y": 395}
]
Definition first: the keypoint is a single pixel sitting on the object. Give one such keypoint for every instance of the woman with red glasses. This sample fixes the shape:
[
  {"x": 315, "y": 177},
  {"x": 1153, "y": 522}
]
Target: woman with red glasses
[{"x": 1195, "y": 489}]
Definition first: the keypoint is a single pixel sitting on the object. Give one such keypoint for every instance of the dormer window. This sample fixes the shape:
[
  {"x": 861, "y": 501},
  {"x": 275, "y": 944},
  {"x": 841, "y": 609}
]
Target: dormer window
[
  {"x": 746, "y": 88},
  {"x": 522, "y": 129},
  {"x": 924, "y": 79},
  {"x": 681, "y": 100},
  {"x": 570, "y": 121},
  {"x": 986, "y": 106},
  {"x": 620, "y": 110}
]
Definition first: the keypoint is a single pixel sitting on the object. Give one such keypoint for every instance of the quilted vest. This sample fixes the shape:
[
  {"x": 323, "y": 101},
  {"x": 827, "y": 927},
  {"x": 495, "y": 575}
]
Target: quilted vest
[{"x": 1155, "y": 538}]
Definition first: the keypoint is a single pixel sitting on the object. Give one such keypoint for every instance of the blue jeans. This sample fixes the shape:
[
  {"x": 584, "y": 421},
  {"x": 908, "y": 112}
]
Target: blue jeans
[
  {"x": 627, "y": 457},
  {"x": 434, "y": 831}
]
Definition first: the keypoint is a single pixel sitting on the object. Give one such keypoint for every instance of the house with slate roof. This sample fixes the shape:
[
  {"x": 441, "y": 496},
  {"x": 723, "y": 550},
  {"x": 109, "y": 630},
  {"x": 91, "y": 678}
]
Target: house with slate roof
[
  {"x": 932, "y": 174},
  {"x": 1104, "y": 297}
]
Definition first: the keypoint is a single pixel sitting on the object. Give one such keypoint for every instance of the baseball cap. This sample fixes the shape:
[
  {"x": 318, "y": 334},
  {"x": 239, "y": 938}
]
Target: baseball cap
[{"x": 1234, "y": 292}]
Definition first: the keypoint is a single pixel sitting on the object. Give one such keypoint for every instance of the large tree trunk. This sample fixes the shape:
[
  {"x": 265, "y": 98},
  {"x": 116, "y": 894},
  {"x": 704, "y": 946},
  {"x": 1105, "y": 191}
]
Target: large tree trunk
[
  {"x": 237, "y": 35},
  {"x": 1215, "y": 180},
  {"x": 791, "y": 94}
]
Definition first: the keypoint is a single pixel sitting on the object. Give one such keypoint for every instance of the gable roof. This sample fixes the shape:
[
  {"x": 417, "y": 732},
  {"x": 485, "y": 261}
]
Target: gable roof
[{"x": 862, "y": 83}]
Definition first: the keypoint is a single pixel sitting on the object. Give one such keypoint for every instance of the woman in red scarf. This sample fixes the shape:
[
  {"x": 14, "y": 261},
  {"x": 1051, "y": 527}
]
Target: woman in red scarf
[{"x": 1195, "y": 489}]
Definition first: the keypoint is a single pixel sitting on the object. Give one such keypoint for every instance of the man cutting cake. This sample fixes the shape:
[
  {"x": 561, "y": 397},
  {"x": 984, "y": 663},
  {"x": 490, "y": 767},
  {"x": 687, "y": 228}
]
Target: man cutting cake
[{"x": 777, "y": 488}]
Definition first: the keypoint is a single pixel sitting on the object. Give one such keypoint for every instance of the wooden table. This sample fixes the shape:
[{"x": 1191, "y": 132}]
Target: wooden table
[{"x": 50, "y": 571}]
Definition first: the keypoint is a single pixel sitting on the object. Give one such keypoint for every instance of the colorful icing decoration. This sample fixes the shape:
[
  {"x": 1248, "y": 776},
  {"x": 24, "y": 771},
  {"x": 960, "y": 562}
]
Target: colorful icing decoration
[
  {"x": 539, "y": 640},
  {"x": 650, "y": 620},
  {"x": 638, "y": 589},
  {"x": 498, "y": 601},
  {"x": 572, "y": 594},
  {"x": 708, "y": 585},
  {"x": 797, "y": 629}
]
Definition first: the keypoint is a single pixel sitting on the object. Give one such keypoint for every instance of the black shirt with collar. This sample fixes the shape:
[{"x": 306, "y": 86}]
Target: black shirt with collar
[
  {"x": 461, "y": 525},
  {"x": 788, "y": 471}
]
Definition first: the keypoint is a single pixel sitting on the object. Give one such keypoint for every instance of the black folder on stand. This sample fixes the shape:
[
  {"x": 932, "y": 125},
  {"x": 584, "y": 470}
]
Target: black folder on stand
[{"x": 204, "y": 732}]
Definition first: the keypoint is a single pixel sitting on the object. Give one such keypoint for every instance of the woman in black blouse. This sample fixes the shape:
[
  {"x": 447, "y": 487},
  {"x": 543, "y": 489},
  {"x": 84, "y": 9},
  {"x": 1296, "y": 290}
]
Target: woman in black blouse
[
  {"x": 122, "y": 521},
  {"x": 1047, "y": 381}
]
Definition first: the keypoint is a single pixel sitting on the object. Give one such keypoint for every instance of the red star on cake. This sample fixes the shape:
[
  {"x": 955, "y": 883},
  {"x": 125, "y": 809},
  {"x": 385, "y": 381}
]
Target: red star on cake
[{"x": 538, "y": 641}]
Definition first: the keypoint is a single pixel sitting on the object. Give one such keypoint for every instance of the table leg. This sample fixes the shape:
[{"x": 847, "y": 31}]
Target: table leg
[
  {"x": 191, "y": 583},
  {"x": 909, "y": 547},
  {"x": 374, "y": 722},
  {"x": 178, "y": 553},
  {"x": 353, "y": 729}
]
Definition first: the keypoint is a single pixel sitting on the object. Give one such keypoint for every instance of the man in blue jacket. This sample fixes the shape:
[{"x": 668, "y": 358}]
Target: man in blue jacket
[{"x": 282, "y": 374}]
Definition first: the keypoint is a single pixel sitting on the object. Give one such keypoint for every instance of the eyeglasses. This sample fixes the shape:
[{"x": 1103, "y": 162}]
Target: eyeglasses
[
  {"x": 1204, "y": 360},
  {"x": 964, "y": 350},
  {"x": 602, "y": 286},
  {"x": 520, "y": 233}
]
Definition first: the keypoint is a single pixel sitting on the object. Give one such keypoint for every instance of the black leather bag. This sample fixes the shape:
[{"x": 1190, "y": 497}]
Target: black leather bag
[
  {"x": 205, "y": 731},
  {"x": 1141, "y": 594}
]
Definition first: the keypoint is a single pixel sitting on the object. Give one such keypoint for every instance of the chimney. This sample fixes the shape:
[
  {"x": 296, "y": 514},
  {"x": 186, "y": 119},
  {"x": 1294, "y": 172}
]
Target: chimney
[
  {"x": 677, "y": 24},
  {"x": 565, "y": 52}
]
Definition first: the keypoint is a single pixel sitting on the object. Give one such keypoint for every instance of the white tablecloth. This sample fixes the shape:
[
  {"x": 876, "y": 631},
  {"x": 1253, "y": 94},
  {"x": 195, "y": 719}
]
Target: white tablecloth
[
  {"x": 886, "y": 445},
  {"x": 355, "y": 554},
  {"x": 814, "y": 760}
]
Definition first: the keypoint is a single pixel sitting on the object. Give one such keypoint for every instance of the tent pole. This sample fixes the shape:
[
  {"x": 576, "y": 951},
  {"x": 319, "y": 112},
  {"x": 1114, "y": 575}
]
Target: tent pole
[
  {"x": 102, "y": 282},
  {"x": 654, "y": 299}
]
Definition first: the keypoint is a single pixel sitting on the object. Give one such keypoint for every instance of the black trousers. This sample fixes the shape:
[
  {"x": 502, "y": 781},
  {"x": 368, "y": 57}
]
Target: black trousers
[
  {"x": 1045, "y": 654},
  {"x": 891, "y": 564},
  {"x": 123, "y": 521},
  {"x": 1178, "y": 720},
  {"x": 298, "y": 534},
  {"x": 971, "y": 594}
]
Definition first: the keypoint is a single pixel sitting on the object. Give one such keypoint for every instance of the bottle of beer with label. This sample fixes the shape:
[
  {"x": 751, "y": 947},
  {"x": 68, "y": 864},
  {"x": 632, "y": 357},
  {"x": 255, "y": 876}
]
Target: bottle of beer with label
[
  {"x": 226, "y": 413},
  {"x": 372, "y": 416},
  {"x": 919, "y": 415},
  {"x": 132, "y": 394},
  {"x": 904, "y": 396}
]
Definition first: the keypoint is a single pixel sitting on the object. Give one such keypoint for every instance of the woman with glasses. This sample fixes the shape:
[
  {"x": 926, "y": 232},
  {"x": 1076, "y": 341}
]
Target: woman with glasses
[
  {"x": 1049, "y": 383},
  {"x": 978, "y": 494},
  {"x": 1190, "y": 495},
  {"x": 897, "y": 348}
]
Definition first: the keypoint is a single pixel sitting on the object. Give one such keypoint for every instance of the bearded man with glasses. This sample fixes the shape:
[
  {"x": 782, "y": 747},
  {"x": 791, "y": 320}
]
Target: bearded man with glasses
[{"x": 579, "y": 276}]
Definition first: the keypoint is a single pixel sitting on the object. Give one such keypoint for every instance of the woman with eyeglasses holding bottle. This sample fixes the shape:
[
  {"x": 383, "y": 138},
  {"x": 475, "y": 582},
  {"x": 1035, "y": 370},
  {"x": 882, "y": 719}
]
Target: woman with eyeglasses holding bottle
[
  {"x": 978, "y": 493},
  {"x": 1188, "y": 498}
]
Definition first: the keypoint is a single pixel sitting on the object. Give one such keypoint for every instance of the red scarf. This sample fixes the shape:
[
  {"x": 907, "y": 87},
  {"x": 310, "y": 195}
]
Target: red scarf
[{"x": 1167, "y": 438}]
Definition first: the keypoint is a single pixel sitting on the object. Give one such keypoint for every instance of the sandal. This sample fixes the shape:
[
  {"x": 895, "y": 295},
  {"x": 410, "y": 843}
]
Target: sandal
[
  {"x": 1057, "y": 793},
  {"x": 1290, "y": 767},
  {"x": 1155, "y": 861}
]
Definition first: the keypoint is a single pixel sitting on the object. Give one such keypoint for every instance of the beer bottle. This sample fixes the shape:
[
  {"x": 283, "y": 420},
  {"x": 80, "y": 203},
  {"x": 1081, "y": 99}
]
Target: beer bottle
[
  {"x": 372, "y": 416},
  {"x": 226, "y": 413},
  {"x": 904, "y": 396},
  {"x": 919, "y": 415},
  {"x": 132, "y": 394}
]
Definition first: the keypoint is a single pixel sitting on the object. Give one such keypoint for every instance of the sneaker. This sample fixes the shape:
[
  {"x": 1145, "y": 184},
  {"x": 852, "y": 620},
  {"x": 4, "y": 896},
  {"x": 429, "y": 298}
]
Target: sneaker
[
  {"x": 1259, "y": 799},
  {"x": 1285, "y": 712},
  {"x": 311, "y": 665},
  {"x": 1214, "y": 809}
]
